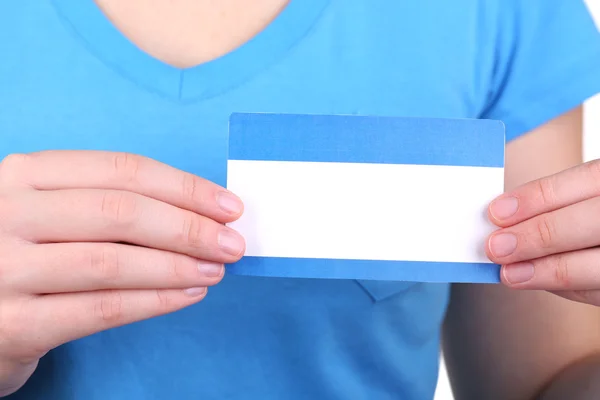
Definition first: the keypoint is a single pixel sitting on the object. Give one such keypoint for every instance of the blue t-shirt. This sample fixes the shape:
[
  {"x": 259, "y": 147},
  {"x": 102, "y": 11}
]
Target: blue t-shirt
[{"x": 70, "y": 80}]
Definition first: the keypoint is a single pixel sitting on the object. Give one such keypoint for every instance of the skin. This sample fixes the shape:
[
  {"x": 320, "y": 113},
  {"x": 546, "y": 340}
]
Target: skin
[
  {"x": 548, "y": 240},
  {"x": 508, "y": 343},
  {"x": 100, "y": 219},
  {"x": 123, "y": 239}
]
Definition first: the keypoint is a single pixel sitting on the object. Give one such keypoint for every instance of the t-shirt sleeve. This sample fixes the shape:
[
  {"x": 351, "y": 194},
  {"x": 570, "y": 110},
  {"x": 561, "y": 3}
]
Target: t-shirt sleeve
[{"x": 547, "y": 62}]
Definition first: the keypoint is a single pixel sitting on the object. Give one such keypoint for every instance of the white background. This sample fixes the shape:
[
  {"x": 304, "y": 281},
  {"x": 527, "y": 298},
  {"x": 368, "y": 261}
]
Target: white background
[{"x": 591, "y": 151}]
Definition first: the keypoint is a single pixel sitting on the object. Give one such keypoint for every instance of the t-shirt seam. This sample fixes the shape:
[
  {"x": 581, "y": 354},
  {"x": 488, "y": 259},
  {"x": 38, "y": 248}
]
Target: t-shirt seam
[
  {"x": 555, "y": 105},
  {"x": 539, "y": 97},
  {"x": 278, "y": 60},
  {"x": 76, "y": 36},
  {"x": 177, "y": 99}
]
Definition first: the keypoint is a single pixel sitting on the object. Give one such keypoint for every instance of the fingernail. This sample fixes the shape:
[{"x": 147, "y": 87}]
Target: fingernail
[
  {"x": 504, "y": 208},
  {"x": 211, "y": 270},
  {"x": 231, "y": 242},
  {"x": 518, "y": 272},
  {"x": 195, "y": 291},
  {"x": 229, "y": 202},
  {"x": 503, "y": 244}
]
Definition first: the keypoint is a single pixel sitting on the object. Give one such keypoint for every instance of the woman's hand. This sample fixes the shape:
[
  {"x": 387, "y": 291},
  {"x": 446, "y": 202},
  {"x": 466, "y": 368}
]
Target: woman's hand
[
  {"x": 94, "y": 240},
  {"x": 550, "y": 234}
]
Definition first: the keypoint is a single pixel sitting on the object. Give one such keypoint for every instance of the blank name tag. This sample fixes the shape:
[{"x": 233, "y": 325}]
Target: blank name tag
[{"x": 369, "y": 198}]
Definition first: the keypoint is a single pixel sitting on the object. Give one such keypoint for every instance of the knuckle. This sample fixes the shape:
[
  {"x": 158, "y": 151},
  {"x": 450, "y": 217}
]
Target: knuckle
[
  {"x": 16, "y": 332},
  {"x": 11, "y": 276},
  {"x": 13, "y": 326},
  {"x": 13, "y": 167},
  {"x": 190, "y": 188},
  {"x": 104, "y": 263},
  {"x": 562, "y": 271},
  {"x": 593, "y": 169},
  {"x": 9, "y": 208},
  {"x": 108, "y": 309},
  {"x": 193, "y": 232},
  {"x": 164, "y": 301},
  {"x": 126, "y": 167},
  {"x": 546, "y": 232},
  {"x": 119, "y": 207},
  {"x": 176, "y": 269},
  {"x": 546, "y": 191}
]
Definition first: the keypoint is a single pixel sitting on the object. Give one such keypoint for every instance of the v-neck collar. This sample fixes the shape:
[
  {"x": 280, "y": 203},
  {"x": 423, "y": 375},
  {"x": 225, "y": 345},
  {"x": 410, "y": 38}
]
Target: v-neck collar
[{"x": 205, "y": 80}]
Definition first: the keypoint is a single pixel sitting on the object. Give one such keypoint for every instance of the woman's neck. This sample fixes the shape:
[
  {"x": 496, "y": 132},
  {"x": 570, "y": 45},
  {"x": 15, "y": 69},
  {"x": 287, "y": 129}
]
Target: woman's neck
[{"x": 185, "y": 33}]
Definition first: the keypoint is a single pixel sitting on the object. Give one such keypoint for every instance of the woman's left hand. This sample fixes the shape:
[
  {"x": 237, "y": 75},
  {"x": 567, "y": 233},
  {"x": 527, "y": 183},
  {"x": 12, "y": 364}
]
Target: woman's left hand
[{"x": 550, "y": 234}]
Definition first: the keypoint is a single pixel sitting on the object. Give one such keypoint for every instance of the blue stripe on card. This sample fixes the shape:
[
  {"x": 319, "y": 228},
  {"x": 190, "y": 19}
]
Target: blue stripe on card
[
  {"x": 359, "y": 139},
  {"x": 414, "y": 271}
]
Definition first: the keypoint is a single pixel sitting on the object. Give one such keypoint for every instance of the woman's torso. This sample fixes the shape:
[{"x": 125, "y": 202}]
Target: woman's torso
[{"x": 73, "y": 82}]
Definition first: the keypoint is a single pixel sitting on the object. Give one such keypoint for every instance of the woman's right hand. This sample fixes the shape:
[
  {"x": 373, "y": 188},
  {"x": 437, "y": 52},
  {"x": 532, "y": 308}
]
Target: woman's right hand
[{"x": 93, "y": 240}]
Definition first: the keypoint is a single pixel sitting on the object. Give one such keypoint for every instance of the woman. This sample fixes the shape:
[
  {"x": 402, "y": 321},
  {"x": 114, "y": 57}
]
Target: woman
[{"x": 98, "y": 241}]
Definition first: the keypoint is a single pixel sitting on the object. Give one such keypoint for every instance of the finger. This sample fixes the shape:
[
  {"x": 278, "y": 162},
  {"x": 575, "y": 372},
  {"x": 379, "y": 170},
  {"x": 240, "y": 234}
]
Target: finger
[
  {"x": 565, "y": 229},
  {"x": 578, "y": 270},
  {"x": 547, "y": 194},
  {"x": 59, "y": 318},
  {"x": 89, "y": 215},
  {"x": 75, "y": 267},
  {"x": 591, "y": 297},
  {"x": 52, "y": 170}
]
